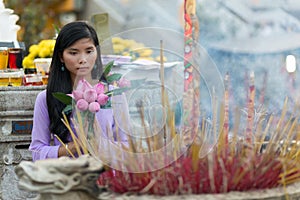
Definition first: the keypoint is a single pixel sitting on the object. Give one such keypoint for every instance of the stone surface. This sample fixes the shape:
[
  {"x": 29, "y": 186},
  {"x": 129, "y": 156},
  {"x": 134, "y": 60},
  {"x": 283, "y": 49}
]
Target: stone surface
[
  {"x": 291, "y": 192},
  {"x": 16, "y": 110},
  {"x": 12, "y": 153},
  {"x": 18, "y": 98},
  {"x": 62, "y": 178}
]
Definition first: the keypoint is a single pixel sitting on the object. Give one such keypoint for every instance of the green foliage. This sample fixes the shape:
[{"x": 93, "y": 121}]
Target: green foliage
[
  {"x": 113, "y": 77},
  {"x": 64, "y": 98},
  {"x": 56, "y": 28},
  {"x": 107, "y": 68},
  {"x": 68, "y": 109}
]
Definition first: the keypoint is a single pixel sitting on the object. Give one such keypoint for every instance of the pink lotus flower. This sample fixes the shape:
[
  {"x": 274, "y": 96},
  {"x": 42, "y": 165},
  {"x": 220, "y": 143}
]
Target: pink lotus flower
[
  {"x": 100, "y": 88},
  {"x": 90, "y": 95},
  {"x": 102, "y": 99},
  {"x": 83, "y": 85},
  {"x": 94, "y": 107},
  {"x": 76, "y": 94},
  {"x": 82, "y": 104},
  {"x": 123, "y": 83}
]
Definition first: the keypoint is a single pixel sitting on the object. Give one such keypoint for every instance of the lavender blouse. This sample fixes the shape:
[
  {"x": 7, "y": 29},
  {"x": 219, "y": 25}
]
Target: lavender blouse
[{"x": 43, "y": 143}]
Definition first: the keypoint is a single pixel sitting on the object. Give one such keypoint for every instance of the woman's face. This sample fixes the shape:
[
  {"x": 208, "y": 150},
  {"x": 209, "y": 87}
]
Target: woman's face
[{"x": 80, "y": 58}]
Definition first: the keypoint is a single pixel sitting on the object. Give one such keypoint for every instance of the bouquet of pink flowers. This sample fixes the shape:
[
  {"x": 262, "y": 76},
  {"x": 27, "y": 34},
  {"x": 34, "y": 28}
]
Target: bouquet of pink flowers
[
  {"x": 93, "y": 98},
  {"x": 88, "y": 97}
]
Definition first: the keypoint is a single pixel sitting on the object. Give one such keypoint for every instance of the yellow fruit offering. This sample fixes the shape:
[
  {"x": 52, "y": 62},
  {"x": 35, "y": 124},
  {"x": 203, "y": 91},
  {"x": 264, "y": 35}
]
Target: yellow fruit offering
[
  {"x": 44, "y": 49},
  {"x": 129, "y": 47}
]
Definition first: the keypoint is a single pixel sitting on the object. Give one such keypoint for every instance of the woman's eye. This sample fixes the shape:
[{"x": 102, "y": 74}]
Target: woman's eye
[
  {"x": 90, "y": 51},
  {"x": 72, "y": 52}
]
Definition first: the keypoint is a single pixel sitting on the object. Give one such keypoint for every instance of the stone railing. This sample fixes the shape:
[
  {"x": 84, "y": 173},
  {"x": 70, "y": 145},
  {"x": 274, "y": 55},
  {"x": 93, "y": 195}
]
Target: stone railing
[{"x": 16, "y": 111}]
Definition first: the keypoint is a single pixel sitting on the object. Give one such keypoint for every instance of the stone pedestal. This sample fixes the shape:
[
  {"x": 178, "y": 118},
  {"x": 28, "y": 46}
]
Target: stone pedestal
[{"x": 16, "y": 111}]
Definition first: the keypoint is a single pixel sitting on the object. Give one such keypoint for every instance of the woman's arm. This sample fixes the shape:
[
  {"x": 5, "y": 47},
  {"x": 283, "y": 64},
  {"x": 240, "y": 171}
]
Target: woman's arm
[
  {"x": 40, "y": 146},
  {"x": 65, "y": 150}
]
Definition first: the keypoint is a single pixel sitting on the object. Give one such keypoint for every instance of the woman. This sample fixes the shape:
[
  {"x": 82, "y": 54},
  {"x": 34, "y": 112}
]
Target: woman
[{"x": 76, "y": 56}]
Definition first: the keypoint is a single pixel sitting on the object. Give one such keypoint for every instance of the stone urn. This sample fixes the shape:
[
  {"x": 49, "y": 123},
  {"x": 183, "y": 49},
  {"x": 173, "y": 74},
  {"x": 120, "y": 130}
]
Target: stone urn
[{"x": 72, "y": 179}]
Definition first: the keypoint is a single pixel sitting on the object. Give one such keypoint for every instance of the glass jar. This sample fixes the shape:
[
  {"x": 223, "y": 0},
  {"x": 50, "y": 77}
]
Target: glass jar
[
  {"x": 3, "y": 58},
  {"x": 15, "y": 58}
]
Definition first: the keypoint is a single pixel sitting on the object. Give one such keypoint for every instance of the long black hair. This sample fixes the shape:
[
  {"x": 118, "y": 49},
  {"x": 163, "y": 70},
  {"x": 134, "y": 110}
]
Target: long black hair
[{"x": 60, "y": 80}]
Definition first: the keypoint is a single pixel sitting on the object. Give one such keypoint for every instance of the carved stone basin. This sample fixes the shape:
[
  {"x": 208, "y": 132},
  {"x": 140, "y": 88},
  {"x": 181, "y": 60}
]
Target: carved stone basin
[{"x": 72, "y": 179}]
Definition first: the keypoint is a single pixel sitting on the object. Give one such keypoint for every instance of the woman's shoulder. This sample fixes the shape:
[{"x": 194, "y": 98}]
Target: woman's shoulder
[
  {"x": 42, "y": 94},
  {"x": 41, "y": 97}
]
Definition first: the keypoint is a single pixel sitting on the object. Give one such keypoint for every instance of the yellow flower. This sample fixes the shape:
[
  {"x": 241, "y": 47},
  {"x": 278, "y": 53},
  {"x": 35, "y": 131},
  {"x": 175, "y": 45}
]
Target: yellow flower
[
  {"x": 126, "y": 53},
  {"x": 44, "y": 49},
  {"x": 44, "y": 53},
  {"x": 33, "y": 48},
  {"x": 118, "y": 48},
  {"x": 133, "y": 48},
  {"x": 145, "y": 58},
  {"x": 116, "y": 40},
  {"x": 157, "y": 58},
  {"x": 146, "y": 52},
  {"x": 28, "y": 62}
]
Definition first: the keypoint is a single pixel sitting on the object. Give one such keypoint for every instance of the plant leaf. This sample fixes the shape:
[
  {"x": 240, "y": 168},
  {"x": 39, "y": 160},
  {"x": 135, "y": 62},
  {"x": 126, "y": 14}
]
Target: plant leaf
[
  {"x": 113, "y": 77},
  {"x": 67, "y": 109},
  {"x": 117, "y": 91},
  {"x": 62, "y": 97},
  {"x": 56, "y": 28},
  {"x": 107, "y": 105},
  {"x": 107, "y": 68}
]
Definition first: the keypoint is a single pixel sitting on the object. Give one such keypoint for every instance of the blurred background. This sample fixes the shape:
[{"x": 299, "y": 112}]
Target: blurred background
[
  {"x": 238, "y": 35},
  {"x": 220, "y": 20}
]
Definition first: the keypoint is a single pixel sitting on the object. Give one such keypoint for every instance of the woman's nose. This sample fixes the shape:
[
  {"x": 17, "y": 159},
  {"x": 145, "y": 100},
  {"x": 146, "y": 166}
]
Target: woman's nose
[{"x": 82, "y": 59}]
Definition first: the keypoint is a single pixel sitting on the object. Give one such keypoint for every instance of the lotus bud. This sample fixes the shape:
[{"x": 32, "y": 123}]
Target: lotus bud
[
  {"x": 77, "y": 95},
  {"x": 90, "y": 95},
  {"x": 100, "y": 88},
  {"x": 94, "y": 107},
  {"x": 83, "y": 85},
  {"x": 82, "y": 105},
  {"x": 124, "y": 82},
  {"x": 102, "y": 99}
]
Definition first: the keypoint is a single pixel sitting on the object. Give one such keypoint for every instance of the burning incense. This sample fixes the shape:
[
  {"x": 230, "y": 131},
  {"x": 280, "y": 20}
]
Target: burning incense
[
  {"x": 263, "y": 90},
  {"x": 270, "y": 164},
  {"x": 163, "y": 95},
  {"x": 226, "y": 104},
  {"x": 251, "y": 99}
]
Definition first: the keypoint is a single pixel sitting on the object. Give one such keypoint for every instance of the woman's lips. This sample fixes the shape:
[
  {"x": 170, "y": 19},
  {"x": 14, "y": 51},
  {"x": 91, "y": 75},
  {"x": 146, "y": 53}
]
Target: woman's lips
[{"x": 82, "y": 68}]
